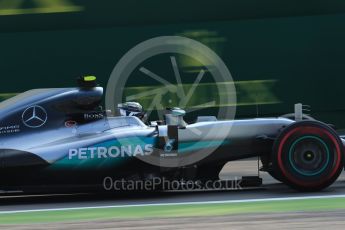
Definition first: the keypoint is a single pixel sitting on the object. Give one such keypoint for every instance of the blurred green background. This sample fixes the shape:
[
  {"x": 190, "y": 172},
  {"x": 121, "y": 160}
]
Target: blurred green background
[{"x": 278, "y": 52}]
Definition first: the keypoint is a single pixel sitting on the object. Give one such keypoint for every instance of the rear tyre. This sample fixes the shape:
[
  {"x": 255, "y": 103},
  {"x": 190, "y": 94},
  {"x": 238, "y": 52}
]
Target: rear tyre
[{"x": 308, "y": 156}]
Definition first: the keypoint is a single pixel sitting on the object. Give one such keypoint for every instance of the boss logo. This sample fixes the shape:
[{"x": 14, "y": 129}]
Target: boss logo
[{"x": 93, "y": 116}]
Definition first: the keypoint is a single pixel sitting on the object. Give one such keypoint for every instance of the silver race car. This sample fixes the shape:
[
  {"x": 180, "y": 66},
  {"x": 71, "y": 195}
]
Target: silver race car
[{"x": 61, "y": 138}]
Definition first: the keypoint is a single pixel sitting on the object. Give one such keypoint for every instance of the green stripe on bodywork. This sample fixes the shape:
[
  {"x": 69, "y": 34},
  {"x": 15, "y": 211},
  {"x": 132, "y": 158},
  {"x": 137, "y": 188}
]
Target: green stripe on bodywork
[{"x": 199, "y": 145}]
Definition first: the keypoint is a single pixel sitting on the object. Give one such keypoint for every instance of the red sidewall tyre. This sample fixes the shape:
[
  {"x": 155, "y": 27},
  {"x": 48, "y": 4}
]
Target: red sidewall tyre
[{"x": 308, "y": 155}]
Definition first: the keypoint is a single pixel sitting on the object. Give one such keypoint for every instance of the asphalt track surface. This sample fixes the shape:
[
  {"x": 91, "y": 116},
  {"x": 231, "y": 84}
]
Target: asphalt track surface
[{"x": 270, "y": 189}]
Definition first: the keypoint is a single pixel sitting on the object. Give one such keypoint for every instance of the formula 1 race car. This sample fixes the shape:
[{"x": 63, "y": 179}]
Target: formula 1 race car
[{"x": 62, "y": 138}]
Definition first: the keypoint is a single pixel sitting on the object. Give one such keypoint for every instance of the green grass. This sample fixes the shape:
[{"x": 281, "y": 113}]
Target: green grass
[{"x": 328, "y": 204}]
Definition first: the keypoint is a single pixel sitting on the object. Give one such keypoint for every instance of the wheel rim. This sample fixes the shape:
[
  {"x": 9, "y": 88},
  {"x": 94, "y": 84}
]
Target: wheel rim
[{"x": 309, "y": 156}]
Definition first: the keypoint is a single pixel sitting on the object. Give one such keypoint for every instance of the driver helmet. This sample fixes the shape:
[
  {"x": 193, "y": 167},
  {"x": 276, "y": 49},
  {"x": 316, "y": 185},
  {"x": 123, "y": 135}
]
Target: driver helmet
[{"x": 131, "y": 109}]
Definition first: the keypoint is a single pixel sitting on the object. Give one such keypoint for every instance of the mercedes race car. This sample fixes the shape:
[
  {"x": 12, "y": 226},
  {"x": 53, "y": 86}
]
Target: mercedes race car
[{"x": 61, "y": 138}]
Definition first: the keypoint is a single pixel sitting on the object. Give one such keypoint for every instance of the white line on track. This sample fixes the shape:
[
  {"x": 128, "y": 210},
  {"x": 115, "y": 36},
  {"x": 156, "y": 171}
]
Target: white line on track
[{"x": 176, "y": 204}]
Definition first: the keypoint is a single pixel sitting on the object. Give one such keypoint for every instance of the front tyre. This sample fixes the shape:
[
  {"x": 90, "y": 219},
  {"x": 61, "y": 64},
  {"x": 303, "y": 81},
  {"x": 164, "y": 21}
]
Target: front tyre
[{"x": 308, "y": 156}]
